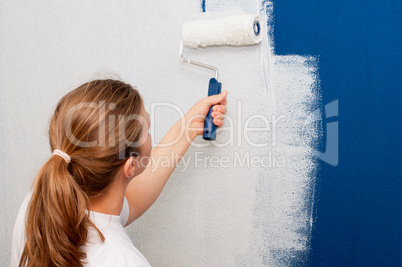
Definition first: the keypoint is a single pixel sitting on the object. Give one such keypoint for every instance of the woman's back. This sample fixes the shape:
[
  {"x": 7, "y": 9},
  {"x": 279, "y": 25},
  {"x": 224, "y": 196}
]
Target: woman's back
[{"x": 116, "y": 250}]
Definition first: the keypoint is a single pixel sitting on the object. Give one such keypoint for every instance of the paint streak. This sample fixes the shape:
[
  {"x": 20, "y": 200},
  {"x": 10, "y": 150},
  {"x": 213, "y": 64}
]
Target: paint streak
[
  {"x": 284, "y": 197},
  {"x": 284, "y": 202}
]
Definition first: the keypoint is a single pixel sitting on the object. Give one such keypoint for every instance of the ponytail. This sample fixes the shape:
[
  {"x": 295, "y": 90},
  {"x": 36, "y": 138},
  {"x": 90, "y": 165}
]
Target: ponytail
[{"x": 57, "y": 219}]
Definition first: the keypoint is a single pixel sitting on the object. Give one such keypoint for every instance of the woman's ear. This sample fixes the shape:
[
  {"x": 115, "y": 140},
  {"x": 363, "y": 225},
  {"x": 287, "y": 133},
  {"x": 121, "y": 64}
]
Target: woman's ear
[{"x": 129, "y": 168}]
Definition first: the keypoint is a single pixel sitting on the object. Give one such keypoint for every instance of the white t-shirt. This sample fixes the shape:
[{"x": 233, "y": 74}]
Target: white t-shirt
[{"x": 117, "y": 250}]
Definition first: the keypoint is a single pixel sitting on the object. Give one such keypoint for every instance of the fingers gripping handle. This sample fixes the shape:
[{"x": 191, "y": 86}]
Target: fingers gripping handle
[{"x": 209, "y": 127}]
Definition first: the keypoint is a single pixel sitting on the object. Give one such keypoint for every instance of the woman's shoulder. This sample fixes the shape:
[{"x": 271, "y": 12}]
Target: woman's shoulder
[
  {"x": 117, "y": 249},
  {"x": 18, "y": 237},
  {"x": 114, "y": 251}
]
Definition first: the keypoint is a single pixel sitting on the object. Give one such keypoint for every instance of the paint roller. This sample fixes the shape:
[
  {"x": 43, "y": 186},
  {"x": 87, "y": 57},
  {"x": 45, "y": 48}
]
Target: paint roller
[{"x": 239, "y": 30}]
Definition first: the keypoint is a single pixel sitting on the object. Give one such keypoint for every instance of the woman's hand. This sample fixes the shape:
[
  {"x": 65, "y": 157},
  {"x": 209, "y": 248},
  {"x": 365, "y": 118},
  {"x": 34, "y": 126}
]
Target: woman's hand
[{"x": 196, "y": 115}]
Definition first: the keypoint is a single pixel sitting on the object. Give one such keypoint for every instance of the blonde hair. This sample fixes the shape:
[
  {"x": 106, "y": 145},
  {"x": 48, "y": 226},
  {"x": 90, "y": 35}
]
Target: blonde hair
[{"x": 83, "y": 126}]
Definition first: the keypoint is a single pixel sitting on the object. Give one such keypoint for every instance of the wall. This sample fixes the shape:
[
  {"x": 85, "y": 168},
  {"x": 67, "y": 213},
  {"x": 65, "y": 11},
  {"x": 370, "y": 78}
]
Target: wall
[
  {"x": 226, "y": 216},
  {"x": 358, "y": 212}
]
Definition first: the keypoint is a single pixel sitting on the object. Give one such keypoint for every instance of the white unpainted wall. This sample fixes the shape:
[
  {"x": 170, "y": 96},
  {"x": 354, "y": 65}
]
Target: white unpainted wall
[{"x": 206, "y": 216}]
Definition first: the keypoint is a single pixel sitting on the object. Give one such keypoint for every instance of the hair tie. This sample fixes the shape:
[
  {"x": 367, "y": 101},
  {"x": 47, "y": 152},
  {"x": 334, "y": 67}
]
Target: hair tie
[{"x": 62, "y": 154}]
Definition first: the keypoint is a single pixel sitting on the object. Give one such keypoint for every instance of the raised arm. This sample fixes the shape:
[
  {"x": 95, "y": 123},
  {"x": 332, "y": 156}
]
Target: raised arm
[{"x": 145, "y": 188}]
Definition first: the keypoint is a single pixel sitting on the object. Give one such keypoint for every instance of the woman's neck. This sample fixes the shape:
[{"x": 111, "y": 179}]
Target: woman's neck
[{"x": 111, "y": 202}]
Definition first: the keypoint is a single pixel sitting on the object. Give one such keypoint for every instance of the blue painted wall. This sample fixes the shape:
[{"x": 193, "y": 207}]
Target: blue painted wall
[{"x": 358, "y": 218}]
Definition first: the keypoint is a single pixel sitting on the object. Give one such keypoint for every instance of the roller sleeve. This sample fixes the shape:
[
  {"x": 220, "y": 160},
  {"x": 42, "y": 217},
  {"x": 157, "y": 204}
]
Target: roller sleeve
[{"x": 237, "y": 30}]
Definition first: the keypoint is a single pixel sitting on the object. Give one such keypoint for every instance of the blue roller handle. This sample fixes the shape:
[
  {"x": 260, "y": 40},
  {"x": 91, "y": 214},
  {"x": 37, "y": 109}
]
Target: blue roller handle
[{"x": 209, "y": 127}]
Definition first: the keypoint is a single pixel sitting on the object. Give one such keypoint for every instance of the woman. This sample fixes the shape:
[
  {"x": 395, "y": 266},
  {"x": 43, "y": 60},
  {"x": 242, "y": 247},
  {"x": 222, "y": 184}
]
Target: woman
[{"x": 100, "y": 177}]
